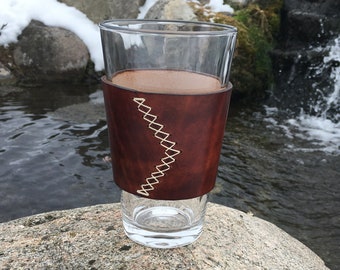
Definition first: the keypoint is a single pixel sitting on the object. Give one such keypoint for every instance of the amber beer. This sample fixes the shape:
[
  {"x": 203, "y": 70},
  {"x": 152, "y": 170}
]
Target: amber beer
[{"x": 167, "y": 144}]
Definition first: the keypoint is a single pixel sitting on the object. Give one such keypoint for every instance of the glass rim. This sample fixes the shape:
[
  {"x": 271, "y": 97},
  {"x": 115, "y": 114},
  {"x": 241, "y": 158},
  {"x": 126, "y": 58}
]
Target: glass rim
[{"x": 124, "y": 25}]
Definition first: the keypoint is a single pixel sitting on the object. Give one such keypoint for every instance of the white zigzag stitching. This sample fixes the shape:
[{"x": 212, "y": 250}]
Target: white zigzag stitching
[{"x": 170, "y": 152}]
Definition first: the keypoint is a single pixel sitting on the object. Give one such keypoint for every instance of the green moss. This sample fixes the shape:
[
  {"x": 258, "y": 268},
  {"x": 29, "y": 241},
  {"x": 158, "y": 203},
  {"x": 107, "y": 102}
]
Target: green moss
[
  {"x": 258, "y": 25},
  {"x": 272, "y": 9}
]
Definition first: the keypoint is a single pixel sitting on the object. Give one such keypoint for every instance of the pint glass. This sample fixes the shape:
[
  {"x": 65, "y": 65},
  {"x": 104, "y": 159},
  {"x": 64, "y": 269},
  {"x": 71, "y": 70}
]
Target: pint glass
[{"x": 167, "y": 95}]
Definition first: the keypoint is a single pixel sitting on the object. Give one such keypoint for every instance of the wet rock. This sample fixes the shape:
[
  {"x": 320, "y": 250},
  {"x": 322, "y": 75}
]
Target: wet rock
[
  {"x": 6, "y": 90},
  {"x": 308, "y": 23},
  {"x": 80, "y": 239},
  {"x": 309, "y": 29},
  {"x": 49, "y": 54},
  {"x": 90, "y": 112}
]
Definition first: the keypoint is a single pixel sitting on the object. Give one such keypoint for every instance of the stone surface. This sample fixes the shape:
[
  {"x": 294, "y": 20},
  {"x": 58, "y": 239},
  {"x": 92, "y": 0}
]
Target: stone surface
[
  {"x": 309, "y": 29},
  {"x": 55, "y": 54},
  {"x": 308, "y": 23},
  {"x": 88, "y": 112},
  {"x": 93, "y": 238},
  {"x": 171, "y": 10},
  {"x": 5, "y": 74},
  {"x": 100, "y": 10},
  {"x": 50, "y": 54}
]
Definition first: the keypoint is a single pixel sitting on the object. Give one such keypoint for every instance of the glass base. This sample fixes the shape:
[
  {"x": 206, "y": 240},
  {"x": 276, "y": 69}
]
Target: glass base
[{"x": 163, "y": 224}]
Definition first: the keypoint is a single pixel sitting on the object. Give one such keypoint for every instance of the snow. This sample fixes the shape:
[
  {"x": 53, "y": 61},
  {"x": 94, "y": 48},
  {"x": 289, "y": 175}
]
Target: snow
[
  {"x": 214, "y": 5},
  {"x": 218, "y": 6},
  {"x": 145, "y": 8},
  {"x": 15, "y": 16}
]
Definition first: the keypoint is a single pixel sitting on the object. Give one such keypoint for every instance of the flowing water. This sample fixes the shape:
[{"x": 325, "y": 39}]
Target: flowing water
[{"x": 281, "y": 167}]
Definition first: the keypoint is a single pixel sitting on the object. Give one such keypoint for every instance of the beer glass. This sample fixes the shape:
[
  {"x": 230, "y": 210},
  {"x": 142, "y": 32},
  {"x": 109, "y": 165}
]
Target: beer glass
[{"x": 167, "y": 95}]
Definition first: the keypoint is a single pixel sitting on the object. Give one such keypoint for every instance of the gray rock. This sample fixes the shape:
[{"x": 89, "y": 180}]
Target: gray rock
[
  {"x": 89, "y": 112},
  {"x": 100, "y": 10},
  {"x": 50, "y": 54},
  {"x": 8, "y": 90},
  {"x": 81, "y": 113},
  {"x": 171, "y": 10},
  {"x": 241, "y": 3},
  {"x": 301, "y": 73},
  {"x": 4, "y": 72},
  {"x": 6, "y": 75},
  {"x": 93, "y": 238}
]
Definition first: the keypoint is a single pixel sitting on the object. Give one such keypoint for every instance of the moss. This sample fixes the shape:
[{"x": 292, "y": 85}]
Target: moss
[
  {"x": 272, "y": 9},
  {"x": 258, "y": 25},
  {"x": 261, "y": 26}
]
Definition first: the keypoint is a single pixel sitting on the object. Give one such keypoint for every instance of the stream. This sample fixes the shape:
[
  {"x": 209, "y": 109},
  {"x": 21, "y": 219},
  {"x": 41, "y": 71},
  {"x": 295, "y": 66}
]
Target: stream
[{"x": 53, "y": 140}]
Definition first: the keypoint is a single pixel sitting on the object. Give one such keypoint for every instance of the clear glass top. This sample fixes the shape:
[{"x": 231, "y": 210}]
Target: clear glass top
[{"x": 168, "y": 27}]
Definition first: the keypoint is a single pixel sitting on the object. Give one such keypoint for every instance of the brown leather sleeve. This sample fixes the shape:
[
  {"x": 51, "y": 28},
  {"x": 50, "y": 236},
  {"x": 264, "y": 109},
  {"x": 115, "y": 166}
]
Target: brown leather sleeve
[{"x": 165, "y": 146}]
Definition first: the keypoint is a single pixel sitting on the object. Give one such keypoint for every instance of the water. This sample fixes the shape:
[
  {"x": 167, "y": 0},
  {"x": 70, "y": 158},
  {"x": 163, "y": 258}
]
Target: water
[
  {"x": 321, "y": 123},
  {"x": 51, "y": 157},
  {"x": 49, "y": 163},
  {"x": 279, "y": 179},
  {"x": 308, "y": 105}
]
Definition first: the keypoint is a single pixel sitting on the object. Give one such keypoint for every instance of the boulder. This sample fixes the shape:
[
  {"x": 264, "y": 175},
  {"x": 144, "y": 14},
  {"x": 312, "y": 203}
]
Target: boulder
[
  {"x": 49, "y": 54},
  {"x": 301, "y": 62},
  {"x": 93, "y": 238},
  {"x": 5, "y": 74},
  {"x": 171, "y": 10},
  {"x": 308, "y": 23},
  {"x": 100, "y": 10},
  {"x": 45, "y": 53}
]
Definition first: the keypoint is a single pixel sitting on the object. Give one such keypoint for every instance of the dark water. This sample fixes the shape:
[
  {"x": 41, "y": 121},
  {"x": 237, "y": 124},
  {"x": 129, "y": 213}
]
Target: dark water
[{"x": 51, "y": 161}]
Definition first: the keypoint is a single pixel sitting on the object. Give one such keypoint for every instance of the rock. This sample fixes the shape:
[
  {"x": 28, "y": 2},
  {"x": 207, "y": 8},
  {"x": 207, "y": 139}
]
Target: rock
[
  {"x": 81, "y": 113},
  {"x": 5, "y": 74},
  {"x": 6, "y": 90},
  {"x": 93, "y": 238},
  {"x": 309, "y": 30},
  {"x": 89, "y": 112},
  {"x": 6, "y": 67},
  {"x": 55, "y": 54},
  {"x": 171, "y": 10},
  {"x": 50, "y": 54},
  {"x": 100, "y": 10},
  {"x": 308, "y": 23},
  {"x": 241, "y": 3}
]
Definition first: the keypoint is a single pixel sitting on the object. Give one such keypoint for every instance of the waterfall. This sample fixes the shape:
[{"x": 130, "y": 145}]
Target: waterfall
[
  {"x": 319, "y": 122},
  {"x": 332, "y": 101}
]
